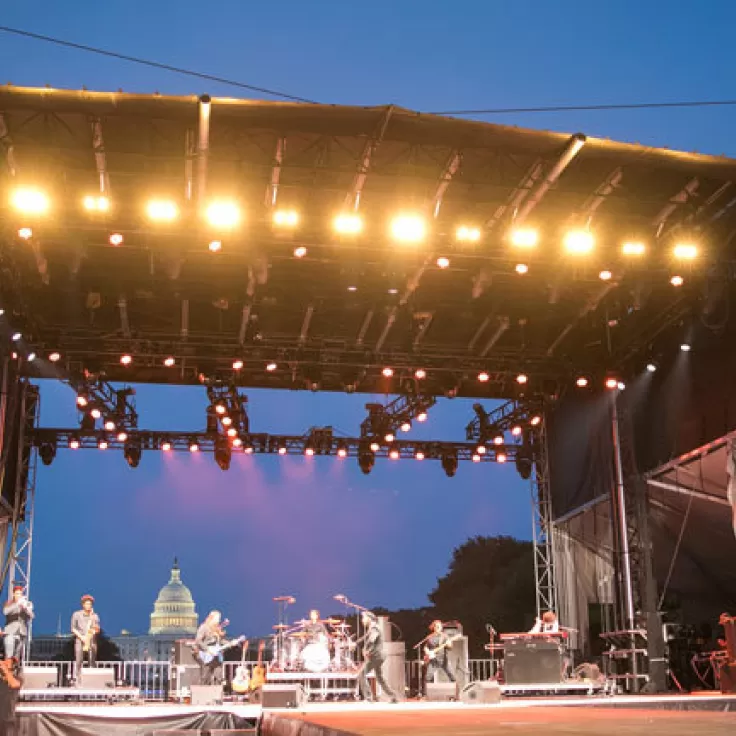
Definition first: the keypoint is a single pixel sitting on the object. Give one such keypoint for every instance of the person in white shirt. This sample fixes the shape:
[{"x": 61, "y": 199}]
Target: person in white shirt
[{"x": 548, "y": 624}]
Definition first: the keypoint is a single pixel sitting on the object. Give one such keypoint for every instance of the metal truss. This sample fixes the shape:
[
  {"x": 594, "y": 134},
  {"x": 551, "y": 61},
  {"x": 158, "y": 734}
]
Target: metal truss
[
  {"x": 388, "y": 419},
  {"x": 512, "y": 416},
  {"x": 116, "y": 406},
  {"x": 228, "y": 408}
]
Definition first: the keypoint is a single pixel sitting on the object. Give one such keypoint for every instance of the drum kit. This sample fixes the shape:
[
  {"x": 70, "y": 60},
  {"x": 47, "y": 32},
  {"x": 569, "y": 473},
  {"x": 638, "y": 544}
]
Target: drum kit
[{"x": 297, "y": 649}]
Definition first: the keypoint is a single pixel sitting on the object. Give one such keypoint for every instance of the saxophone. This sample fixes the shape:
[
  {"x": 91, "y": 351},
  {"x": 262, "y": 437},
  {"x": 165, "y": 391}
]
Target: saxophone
[{"x": 89, "y": 637}]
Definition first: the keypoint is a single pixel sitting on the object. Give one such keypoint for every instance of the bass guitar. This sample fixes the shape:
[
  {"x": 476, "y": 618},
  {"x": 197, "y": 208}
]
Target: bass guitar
[
  {"x": 258, "y": 676},
  {"x": 430, "y": 654},
  {"x": 215, "y": 651},
  {"x": 241, "y": 681}
]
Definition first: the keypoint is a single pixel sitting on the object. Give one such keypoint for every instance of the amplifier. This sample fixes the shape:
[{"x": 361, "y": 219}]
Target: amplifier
[
  {"x": 183, "y": 652},
  {"x": 481, "y": 692},
  {"x": 186, "y": 676},
  {"x": 279, "y": 695},
  {"x": 531, "y": 663},
  {"x": 441, "y": 691},
  {"x": 98, "y": 678},
  {"x": 36, "y": 678},
  {"x": 206, "y": 694}
]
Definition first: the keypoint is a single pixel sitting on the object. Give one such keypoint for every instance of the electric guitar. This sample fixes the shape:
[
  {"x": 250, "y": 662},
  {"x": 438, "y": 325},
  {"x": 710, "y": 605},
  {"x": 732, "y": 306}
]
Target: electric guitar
[
  {"x": 430, "y": 654},
  {"x": 258, "y": 676},
  {"x": 214, "y": 651},
  {"x": 241, "y": 681}
]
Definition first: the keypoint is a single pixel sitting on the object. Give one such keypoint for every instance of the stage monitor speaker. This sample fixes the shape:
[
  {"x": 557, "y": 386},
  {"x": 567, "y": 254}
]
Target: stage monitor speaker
[
  {"x": 457, "y": 658},
  {"x": 279, "y": 695},
  {"x": 186, "y": 676},
  {"x": 481, "y": 692},
  {"x": 206, "y": 694},
  {"x": 441, "y": 691},
  {"x": 98, "y": 678},
  {"x": 37, "y": 678},
  {"x": 184, "y": 653},
  {"x": 394, "y": 667},
  {"x": 539, "y": 663}
]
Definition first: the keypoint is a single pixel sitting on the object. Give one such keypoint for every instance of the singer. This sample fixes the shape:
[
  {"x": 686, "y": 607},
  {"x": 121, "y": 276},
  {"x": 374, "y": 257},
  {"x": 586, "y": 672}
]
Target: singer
[{"x": 18, "y": 613}]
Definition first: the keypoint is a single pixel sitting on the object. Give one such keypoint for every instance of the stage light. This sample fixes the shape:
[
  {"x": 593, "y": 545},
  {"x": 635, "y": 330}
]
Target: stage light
[
  {"x": 282, "y": 450},
  {"x": 501, "y": 457},
  {"x": 309, "y": 451},
  {"x": 193, "y": 446},
  {"x": 516, "y": 430},
  {"x": 170, "y": 361},
  {"x": 535, "y": 420},
  {"x": 405, "y": 427},
  {"x": 524, "y": 237},
  {"x": 31, "y": 357},
  {"x": 162, "y": 210},
  {"x": 87, "y": 423},
  {"x": 605, "y": 275},
  {"x": 352, "y": 288},
  {"x": 95, "y": 413},
  {"x": 300, "y": 252},
  {"x": 389, "y": 437},
  {"x": 237, "y": 442},
  {"x": 483, "y": 377},
  {"x": 126, "y": 359},
  {"x": 226, "y": 421},
  {"x": 467, "y": 234},
  {"x": 248, "y": 449},
  {"x": 102, "y": 445},
  {"x": 685, "y": 347},
  {"x": 498, "y": 439},
  {"x": 579, "y": 242},
  {"x": 232, "y": 432},
  {"x": 55, "y": 357},
  {"x": 419, "y": 455},
  {"x": 651, "y": 368},
  {"x": 581, "y": 382},
  {"x": 375, "y": 447},
  {"x": 620, "y": 385},
  {"x": 633, "y": 249},
  {"x": 237, "y": 365},
  {"x": 221, "y": 409},
  {"x": 47, "y": 452},
  {"x": 443, "y": 262},
  {"x": 677, "y": 281},
  {"x": 286, "y": 218},
  {"x": 420, "y": 374},
  {"x": 122, "y": 436},
  {"x": 215, "y": 246},
  {"x": 96, "y": 204},
  {"x": 388, "y": 372},
  {"x": 166, "y": 446},
  {"x": 347, "y": 224},
  {"x": 366, "y": 461},
  {"x": 522, "y": 378},
  {"x": 25, "y": 233},
  {"x": 408, "y": 228},
  {"x": 2, "y": 311},
  {"x": 16, "y": 337},
  {"x": 476, "y": 458},
  {"x": 685, "y": 251},
  {"x": 342, "y": 452},
  {"x": 480, "y": 450},
  {"x": 271, "y": 367},
  {"x": 30, "y": 201},
  {"x": 394, "y": 454},
  {"x": 422, "y": 416},
  {"x": 82, "y": 401},
  {"x": 449, "y": 463},
  {"x": 132, "y": 454},
  {"x": 611, "y": 383},
  {"x": 393, "y": 292},
  {"x": 223, "y": 455},
  {"x": 73, "y": 443},
  {"x": 110, "y": 425},
  {"x": 222, "y": 215},
  {"x": 521, "y": 268}
]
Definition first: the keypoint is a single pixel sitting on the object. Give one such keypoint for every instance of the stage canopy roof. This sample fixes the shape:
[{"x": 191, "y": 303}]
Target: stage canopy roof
[{"x": 302, "y": 306}]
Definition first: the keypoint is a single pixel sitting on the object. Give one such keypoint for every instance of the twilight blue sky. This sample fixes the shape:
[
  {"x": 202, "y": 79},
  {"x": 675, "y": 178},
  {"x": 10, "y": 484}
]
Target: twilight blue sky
[{"x": 312, "y": 528}]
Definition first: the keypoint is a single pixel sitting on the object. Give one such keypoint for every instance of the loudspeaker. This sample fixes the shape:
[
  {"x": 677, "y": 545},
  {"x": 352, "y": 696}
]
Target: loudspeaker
[
  {"x": 36, "y": 678},
  {"x": 727, "y": 673},
  {"x": 441, "y": 691},
  {"x": 280, "y": 696},
  {"x": 532, "y": 664},
  {"x": 457, "y": 658},
  {"x": 184, "y": 653},
  {"x": 481, "y": 692},
  {"x": 186, "y": 676},
  {"x": 206, "y": 694},
  {"x": 98, "y": 678}
]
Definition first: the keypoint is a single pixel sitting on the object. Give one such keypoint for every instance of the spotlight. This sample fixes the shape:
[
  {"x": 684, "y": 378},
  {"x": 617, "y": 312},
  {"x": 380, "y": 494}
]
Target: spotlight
[
  {"x": 480, "y": 450},
  {"x": 522, "y": 378},
  {"x": 30, "y": 201},
  {"x": 282, "y": 450},
  {"x": 388, "y": 372},
  {"x": 685, "y": 347},
  {"x": 498, "y": 439},
  {"x": 25, "y": 233},
  {"x": 422, "y": 416},
  {"x": 524, "y": 237},
  {"x": 419, "y": 455},
  {"x": 633, "y": 249},
  {"x": 394, "y": 453},
  {"x": 352, "y": 288},
  {"x": 122, "y": 436},
  {"x": 16, "y": 337},
  {"x": 420, "y": 374},
  {"x": 102, "y": 445},
  {"x": 214, "y": 246},
  {"x": 389, "y": 437},
  {"x": 408, "y": 228},
  {"x": 193, "y": 446},
  {"x": 248, "y": 450},
  {"x": 232, "y": 432},
  {"x": 132, "y": 453},
  {"x": 309, "y": 452},
  {"x": 501, "y": 457},
  {"x": 449, "y": 464},
  {"x": 222, "y": 215},
  {"x": 162, "y": 210},
  {"x": 73, "y": 443},
  {"x": 535, "y": 420},
  {"x": 110, "y": 425},
  {"x": 342, "y": 452},
  {"x": 393, "y": 291},
  {"x": 521, "y": 268},
  {"x": 87, "y": 423},
  {"x": 581, "y": 382},
  {"x": 237, "y": 365},
  {"x": 579, "y": 242},
  {"x": 405, "y": 427},
  {"x": 375, "y": 447},
  {"x": 685, "y": 251},
  {"x": 31, "y": 357},
  {"x": 96, "y": 204},
  {"x": 476, "y": 458},
  {"x": 516, "y": 430},
  {"x": 620, "y": 385},
  {"x": 483, "y": 377},
  {"x": 166, "y": 446},
  {"x": 605, "y": 275},
  {"x": 366, "y": 461},
  {"x": 237, "y": 442},
  {"x": 226, "y": 421},
  {"x": 95, "y": 413},
  {"x": 443, "y": 262},
  {"x": 223, "y": 454},
  {"x": 54, "y": 357},
  {"x": 116, "y": 239},
  {"x": 271, "y": 367},
  {"x": 611, "y": 383},
  {"x": 300, "y": 252},
  {"x": 47, "y": 452},
  {"x": 651, "y": 368},
  {"x": 466, "y": 234},
  {"x": 126, "y": 359},
  {"x": 677, "y": 281},
  {"x": 347, "y": 224},
  {"x": 221, "y": 409},
  {"x": 170, "y": 361},
  {"x": 286, "y": 218}
]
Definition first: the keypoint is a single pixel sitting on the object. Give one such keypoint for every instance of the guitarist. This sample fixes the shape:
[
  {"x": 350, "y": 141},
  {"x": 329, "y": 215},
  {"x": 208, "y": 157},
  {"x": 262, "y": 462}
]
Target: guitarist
[
  {"x": 435, "y": 654},
  {"x": 85, "y": 627},
  {"x": 209, "y": 634},
  {"x": 372, "y": 642}
]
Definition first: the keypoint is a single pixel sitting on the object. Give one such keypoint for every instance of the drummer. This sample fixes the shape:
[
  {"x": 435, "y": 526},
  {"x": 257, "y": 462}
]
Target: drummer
[{"x": 316, "y": 631}]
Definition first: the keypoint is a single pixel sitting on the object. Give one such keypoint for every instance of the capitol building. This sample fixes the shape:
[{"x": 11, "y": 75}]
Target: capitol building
[{"x": 174, "y": 617}]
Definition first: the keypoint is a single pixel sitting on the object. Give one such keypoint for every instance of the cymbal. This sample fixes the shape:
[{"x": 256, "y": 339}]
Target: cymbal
[
  {"x": 280, "y": 626},
  {"x": 300, "y": 634},
  {"x": 333, "y": 621},
  {"x": 341, "y": 625}
]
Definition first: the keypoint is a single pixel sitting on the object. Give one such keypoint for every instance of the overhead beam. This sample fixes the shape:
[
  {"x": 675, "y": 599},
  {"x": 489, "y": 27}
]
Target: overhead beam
[
  {"x": 7, "y": 143},
  {"x": 203, "y": 145},
  {"x": 244, "y": 322},
  {"x": 352, "y": 198},
  {"x": 682, "y": 197},
  {"x": 426, "y": 323},
  {"x": 124, "y": 321},
  {"x": 572, "y": 149},
  {"x": 518, "y": 195},
  {"x": 98, "y": 145},
  {"x": 305, "y": 324},
  {"x": 272, "y": 190},
  {"x": 190, "y": 154},
  {"x": 481, "y": 329},
  {"x": 686, "y": 491},
  {"x": 503, "y": 324},
  {"x": 448, "y": 172},
  {"x": 364, "y": 327},
  {"x": 607, "y": 187}
]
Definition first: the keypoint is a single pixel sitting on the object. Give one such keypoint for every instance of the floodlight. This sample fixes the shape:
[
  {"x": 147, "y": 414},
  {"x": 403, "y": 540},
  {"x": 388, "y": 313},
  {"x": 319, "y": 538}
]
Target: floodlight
[
  {"x": 286, "y": 218},
  {"x": 132, "y": 453},
  {"x": 443, "y": 262},
  {"x": 25, "y": 233},
  {"x": 408, "y": 228},
  {"x": 467, "y": 234},
  {"x": 347, "y": 224},
  {"x": 449, "y": 463},
  {"x": 521, "y": 268},
  {"x": 605, "y": 275},
  {"x": 579, "y": 242},
  {"x": 524, "y": 237},
  {"x": 223, "y": 215},
  {"x": 685, "y": 251},
  {"x": 677, "y": 281},
  {"x": 30, "y": 201},
  {"x": 162, "y": 210},
  {"x": 96, "y": 204},
  {"x": 633, "y": 248}
]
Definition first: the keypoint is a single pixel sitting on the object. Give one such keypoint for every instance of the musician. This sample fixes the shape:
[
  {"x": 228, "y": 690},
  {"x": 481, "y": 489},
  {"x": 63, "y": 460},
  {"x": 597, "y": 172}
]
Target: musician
[
  {"x": 372, "y": 642},
  {"x": 209, "y": 634},
  {"x": 315, "y": 629},
  {"x": 85, "y": 628},
  {"x": 436, "y": 646},
  {"x": 18, "y": 613},
  {"x": 548, "y": 624}
]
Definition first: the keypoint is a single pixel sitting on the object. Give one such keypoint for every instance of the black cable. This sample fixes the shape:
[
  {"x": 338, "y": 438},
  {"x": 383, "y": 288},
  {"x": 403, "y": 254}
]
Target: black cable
[
  {"x": 155, "y": 64},
  {"x": 605, "y": 106}
]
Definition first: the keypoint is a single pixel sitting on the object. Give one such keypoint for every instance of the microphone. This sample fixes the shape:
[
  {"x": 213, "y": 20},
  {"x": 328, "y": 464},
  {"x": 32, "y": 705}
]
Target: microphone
[
  {"x": 291, "y": 599},
  {"x": 340, "y": 597}
]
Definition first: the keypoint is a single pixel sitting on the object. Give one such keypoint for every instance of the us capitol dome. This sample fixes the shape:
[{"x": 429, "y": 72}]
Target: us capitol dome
[{"x": 174, "y": 614}]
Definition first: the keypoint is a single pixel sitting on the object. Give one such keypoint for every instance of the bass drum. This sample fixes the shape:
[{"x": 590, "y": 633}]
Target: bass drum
[{"x": 315, "y": 657}]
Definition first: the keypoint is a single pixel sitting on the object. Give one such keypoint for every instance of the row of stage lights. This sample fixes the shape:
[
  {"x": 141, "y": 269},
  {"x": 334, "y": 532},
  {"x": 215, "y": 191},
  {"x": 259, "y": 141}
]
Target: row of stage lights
[{"x": 224, "y": 216}]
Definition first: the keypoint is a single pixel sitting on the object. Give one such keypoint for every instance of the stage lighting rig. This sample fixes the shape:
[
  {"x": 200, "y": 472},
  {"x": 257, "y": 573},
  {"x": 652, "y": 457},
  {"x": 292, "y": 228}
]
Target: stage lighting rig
[
  {"x": 488, "y": 426},
  {"x": 97, "y": 398},
  {"x": 223, "y": 453},
  {"x": 387, "y": 420},
  {"x": 228, "y": 408}
]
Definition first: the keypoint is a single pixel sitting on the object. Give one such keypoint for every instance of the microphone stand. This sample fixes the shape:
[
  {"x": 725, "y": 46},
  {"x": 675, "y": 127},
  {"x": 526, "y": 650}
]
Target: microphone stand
[{"x": 282, "y": 603}]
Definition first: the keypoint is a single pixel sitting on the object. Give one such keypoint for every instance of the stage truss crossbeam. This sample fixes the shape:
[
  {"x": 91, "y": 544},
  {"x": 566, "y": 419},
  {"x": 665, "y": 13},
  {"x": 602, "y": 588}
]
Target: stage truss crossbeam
[
  {"x": 116, "y": 404},
  {"x": 384, "y": 419}
]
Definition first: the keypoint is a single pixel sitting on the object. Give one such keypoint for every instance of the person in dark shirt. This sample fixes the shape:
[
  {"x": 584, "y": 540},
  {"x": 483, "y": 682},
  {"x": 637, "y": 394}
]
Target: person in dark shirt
[
  {"x": 209, "y": 634},
  {"x": 18, "y": 613},
  {"x": 372, "y": 642},
  {"x": 85, "y": 628},
  {"x": 435, "y": 653},
  {"x": 316, "y": 630}
]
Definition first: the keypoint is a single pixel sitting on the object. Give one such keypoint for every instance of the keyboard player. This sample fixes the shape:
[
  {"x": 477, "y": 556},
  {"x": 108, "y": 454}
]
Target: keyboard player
[{"x": 548, "y": 624}]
